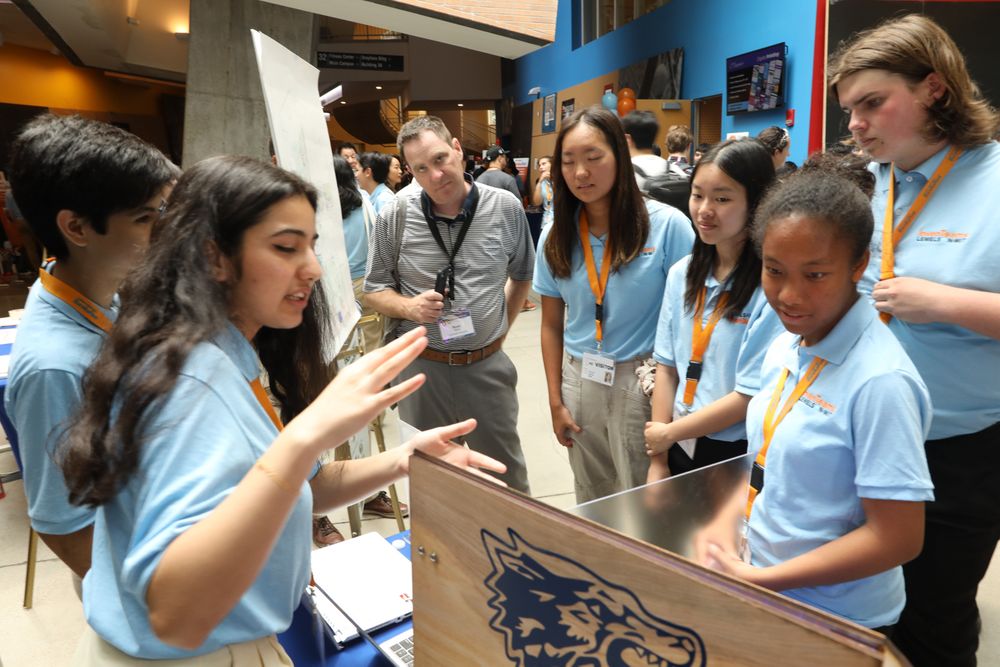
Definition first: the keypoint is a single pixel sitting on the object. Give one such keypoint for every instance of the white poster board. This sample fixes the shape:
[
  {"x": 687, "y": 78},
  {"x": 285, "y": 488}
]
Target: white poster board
[{"x": 302, "y": 144}]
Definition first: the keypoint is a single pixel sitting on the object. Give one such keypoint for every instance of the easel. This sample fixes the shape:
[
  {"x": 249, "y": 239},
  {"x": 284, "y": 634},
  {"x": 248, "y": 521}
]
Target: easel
[{"x": 343, "y": 452}]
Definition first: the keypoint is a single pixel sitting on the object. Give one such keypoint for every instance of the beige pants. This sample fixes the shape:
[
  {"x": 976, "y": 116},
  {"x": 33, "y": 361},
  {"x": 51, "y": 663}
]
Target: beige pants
[
  {"x": 93, "y": 651},
  {"x": 371, "y": 332},
  {"x": 609, "y": 455}
]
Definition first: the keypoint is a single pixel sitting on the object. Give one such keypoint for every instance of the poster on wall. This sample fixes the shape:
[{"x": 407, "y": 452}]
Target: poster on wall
[
  {"x": 568, "y": 107},
  {"x": 656, "y": 78},
  {"x": 302, "y": 145},
  {"x": 522, "y": 164},
  {"x": 755, "y": 81},
  {"x": 549, "y": 113}
]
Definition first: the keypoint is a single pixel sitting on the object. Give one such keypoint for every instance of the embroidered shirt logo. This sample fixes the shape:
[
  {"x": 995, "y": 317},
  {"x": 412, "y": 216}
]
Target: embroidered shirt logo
[
  {"x": 742, "y": 318},
  {"x": 817, "y": 402},
  {"x": 648, "y": 252},
  {"x": 941, "y": 236}
]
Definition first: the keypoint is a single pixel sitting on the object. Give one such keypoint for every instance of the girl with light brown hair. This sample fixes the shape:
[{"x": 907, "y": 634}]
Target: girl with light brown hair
[{"x": 933, "y": 276}]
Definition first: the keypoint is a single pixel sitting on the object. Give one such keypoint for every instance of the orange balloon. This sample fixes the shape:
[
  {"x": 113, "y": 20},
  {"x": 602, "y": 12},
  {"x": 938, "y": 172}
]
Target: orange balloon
[
  {"x": 626, "y": 93},
  {"x": 625, "y": 106}
]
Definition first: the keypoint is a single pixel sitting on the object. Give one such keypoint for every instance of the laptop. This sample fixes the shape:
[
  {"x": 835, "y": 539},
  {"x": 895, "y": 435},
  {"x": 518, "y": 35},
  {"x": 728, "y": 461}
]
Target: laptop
[
  {"x": 397, "y": 649},
  {"x": 365, "y": 582}
]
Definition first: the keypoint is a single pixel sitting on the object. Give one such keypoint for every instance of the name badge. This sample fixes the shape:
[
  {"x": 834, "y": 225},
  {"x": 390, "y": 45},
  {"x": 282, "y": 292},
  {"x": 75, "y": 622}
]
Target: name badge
[
  {"x": 456, "y": 324},
  {"x": 687, "y": 445},
  {"x": 599, "y": 367},
  {"x": 743, "y": 550}
]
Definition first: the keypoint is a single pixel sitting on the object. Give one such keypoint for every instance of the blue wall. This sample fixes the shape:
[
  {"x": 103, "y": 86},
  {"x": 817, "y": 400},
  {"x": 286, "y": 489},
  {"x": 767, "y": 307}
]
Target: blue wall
[{"x": 709, "y": 31}]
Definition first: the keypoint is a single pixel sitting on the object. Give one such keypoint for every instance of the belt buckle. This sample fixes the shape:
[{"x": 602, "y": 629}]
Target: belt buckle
[{"x": 468, "y": 358}]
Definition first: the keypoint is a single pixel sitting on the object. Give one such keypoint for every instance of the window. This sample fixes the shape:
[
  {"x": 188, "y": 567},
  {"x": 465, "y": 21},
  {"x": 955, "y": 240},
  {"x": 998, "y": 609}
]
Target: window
[{"x": 599, "y": 17}]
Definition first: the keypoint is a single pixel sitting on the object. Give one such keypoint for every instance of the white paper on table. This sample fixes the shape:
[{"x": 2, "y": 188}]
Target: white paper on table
[
  {"x": 4, "y": 365},
  {"x": 7, "y": 335}
]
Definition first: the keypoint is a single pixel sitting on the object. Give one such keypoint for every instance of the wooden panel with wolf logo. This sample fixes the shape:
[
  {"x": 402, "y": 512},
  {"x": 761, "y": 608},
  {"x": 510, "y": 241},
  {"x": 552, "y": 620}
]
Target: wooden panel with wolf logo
[{"x": 501, "y": 579}]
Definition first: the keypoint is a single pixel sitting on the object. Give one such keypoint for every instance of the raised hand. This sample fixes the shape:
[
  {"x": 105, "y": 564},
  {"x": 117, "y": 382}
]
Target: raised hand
[{"x": 359, "y": 393}]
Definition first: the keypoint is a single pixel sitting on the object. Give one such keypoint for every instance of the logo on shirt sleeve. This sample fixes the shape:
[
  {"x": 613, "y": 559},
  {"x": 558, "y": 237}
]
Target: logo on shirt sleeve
[{"x": 648, "y": 252}]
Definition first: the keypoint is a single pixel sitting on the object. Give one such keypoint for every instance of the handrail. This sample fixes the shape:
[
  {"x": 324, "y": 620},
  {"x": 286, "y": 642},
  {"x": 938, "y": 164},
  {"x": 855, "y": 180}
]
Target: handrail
[
  {"x": 471, "y": 131},
  {"x": 391, "y": 114}
]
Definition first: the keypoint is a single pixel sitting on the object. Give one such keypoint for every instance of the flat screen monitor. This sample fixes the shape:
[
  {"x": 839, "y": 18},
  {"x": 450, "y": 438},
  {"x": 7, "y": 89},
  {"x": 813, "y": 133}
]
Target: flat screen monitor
[{"x": 755, "y": 81}]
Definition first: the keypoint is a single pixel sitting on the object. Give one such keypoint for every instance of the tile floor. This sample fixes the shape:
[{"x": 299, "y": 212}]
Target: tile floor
[{"x": 47, "y": 633}]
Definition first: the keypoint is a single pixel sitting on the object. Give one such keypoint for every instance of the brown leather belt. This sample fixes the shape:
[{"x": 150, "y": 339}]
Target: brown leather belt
[{"x": 463, "y": 358}]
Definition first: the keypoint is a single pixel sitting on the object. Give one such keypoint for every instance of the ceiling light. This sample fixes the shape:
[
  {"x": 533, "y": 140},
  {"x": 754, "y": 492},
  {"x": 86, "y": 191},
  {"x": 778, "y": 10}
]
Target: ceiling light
[
  {"x": 378, "y": 87},
  {"x": 460, "y": 104},
  {"x": 343, "y": 102},
  {"x": 331, "y": 95}
]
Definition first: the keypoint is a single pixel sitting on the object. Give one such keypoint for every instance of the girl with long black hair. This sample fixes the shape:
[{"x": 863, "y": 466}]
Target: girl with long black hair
[
  {"x": 201, "y": 544},
  {"x": 601, "y": 270},
  {"x": 715, "y": 324}
]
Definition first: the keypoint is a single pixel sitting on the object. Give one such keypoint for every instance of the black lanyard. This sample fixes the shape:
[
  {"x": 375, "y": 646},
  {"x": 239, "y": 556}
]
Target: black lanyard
[{"x": 464, "y": 216}]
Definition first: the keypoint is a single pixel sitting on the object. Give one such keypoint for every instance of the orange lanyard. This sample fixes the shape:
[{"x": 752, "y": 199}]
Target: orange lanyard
[
  {"x": 265, "y": 402},
  {"x": 78, "y": 302},
  {"x": 892, "y": 235},
  {"x": 771, "y": 422},
  {"x": 700, "y": 337},
  {"x": 598, "y": 284}
]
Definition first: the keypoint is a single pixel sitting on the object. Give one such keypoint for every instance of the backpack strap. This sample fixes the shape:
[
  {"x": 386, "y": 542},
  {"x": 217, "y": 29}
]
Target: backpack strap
[{"x": 677, "y": 169}]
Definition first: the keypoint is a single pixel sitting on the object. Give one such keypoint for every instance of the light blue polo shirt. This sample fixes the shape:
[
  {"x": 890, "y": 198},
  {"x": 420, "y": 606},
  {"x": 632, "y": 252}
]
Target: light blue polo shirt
[
  {"x": 857, "y": 432},
  {"x": 55, "y": 344},
  {"x": 955, "y": 241},
  {"x": 634, "y": 292},
  {"x": 382, "y": 196},
  {"x": 356, "y": 240},
  {"x": 735, "y": 351},
  {"x": 200, "y": 442}
]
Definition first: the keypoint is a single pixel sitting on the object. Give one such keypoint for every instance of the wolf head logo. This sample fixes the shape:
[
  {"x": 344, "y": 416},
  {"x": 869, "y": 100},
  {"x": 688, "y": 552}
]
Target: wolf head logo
[{"x": 554, "y": 612}]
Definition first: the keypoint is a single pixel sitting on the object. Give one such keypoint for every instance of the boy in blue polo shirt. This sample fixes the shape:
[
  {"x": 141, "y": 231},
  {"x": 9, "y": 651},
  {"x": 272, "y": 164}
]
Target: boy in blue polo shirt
[{"x": 90, "y": 192}]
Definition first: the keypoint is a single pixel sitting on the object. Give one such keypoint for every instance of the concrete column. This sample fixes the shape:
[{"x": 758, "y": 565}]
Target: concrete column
[{"x": 224, "y": 111}]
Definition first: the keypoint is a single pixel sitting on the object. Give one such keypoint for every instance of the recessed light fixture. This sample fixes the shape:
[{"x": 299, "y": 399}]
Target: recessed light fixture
[
  {"x": 343, "y": 101},
  {"x": 378, "y": 87},
  {"x": 460, "y": 104},
  {"x": 331, "y": 95}
]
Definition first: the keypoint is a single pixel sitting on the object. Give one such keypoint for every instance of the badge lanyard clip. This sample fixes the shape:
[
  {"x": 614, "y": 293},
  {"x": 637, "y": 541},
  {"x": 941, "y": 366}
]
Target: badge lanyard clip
[
  {"x": 598, "y": 283},
  {"x": 700, "y": 338}
]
